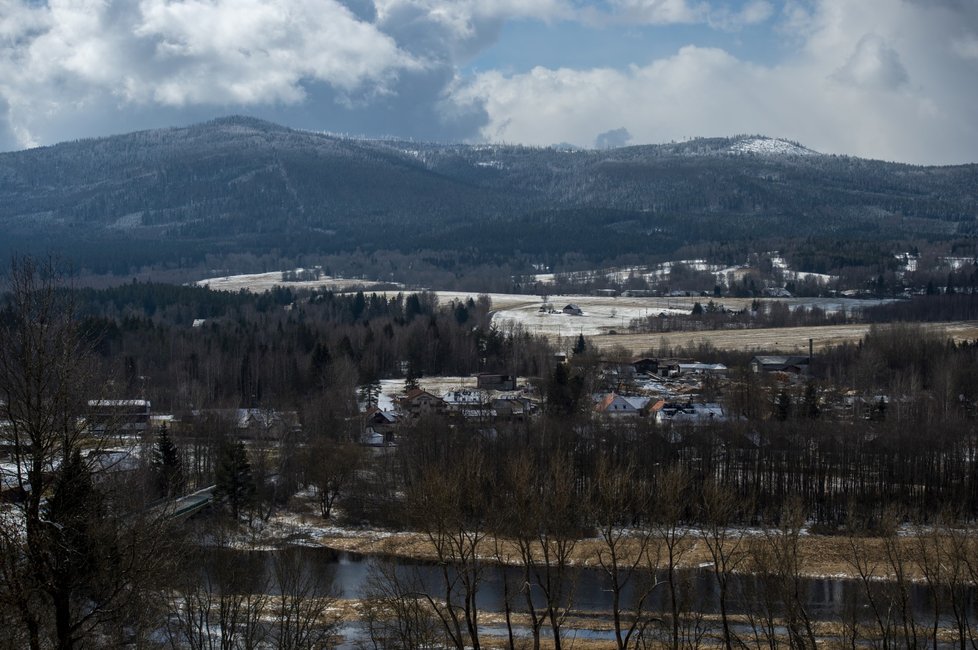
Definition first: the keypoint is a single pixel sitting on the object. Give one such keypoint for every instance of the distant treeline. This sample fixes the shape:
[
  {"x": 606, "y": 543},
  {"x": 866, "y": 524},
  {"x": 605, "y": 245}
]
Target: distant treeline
[
  {"x": 710, "y": 315},
  {"x": 182, "y": 345},
  {"x": 926, "y": 309}
]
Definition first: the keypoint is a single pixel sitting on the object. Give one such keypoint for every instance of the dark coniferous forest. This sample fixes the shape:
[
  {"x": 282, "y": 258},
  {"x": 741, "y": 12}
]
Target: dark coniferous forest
[{"x": 244, "y": 194}]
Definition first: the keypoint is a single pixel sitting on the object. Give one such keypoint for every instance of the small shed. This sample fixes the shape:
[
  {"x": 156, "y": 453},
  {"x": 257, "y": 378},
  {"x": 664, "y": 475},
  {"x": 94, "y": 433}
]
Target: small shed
[{"x": 573, "y": 310}]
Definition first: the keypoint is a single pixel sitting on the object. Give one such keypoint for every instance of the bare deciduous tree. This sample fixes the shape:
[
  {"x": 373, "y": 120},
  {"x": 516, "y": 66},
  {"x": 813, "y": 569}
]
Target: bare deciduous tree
[
  {"x": 303, "y": 616},
  {"x": 671, "y": 529},
  {"x": 395, "y": 613},
  {"x": 76, "y": 555},
  {"x": 450, "y": 506},
  {"x": 628, "y": 556},
  {"x": 331, "y": 467},
  {"x": 720, "y": 510}
]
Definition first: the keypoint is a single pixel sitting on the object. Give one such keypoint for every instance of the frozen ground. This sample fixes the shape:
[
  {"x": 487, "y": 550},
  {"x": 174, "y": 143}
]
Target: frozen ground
[
  {"x": 260, "y": 282},
  {"x": 604, "y": 314}
]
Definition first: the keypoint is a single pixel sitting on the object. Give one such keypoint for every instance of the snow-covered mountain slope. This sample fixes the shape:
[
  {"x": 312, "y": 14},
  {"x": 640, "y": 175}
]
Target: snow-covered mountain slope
[{"x": 769, "y": 147}]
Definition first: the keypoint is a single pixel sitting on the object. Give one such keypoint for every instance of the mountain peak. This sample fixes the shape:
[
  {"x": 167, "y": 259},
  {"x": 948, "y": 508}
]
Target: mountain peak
[
  {"x": 761, "y": 145},
  {"x": 246, "y": 122}
]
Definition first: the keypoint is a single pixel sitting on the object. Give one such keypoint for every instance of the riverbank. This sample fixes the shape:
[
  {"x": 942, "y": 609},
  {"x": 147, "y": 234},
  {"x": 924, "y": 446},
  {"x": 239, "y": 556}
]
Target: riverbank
[{"x": 819, "y": 556}]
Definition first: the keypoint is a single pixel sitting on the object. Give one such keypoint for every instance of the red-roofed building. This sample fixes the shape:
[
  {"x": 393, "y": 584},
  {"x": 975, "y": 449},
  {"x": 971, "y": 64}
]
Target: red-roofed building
[{"x": 417, "y": 403}]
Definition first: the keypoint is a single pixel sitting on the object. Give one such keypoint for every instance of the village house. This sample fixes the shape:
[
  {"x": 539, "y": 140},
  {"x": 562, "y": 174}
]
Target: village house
[
  {"x": 379, "y": 427},
  {"x": 714, "y": 369},
  {"x": 616, "y": 405},
  {"x": 513, "y": 408},
  {"x": 118, "y": 415},
  {"x": 791, "y": 364},
  {"x": 573, "y": 310},
  {"x": 660, "y": 367},
  {"x": 417, "y": 403},
  {"x": 493, "y": 381},
  {"x": 646, "y": 366},
  {"x": 689, "y": 413},
  {"x": 265, "y": 424}
]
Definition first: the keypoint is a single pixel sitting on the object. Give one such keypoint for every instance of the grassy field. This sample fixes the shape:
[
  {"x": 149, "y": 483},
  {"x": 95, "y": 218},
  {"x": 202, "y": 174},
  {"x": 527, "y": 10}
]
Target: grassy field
[{"x": 787, "y": 339}]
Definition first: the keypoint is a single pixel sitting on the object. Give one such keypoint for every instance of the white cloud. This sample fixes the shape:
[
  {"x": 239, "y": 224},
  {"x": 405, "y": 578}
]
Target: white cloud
[
  {"x": 752, "y": 13},
  {"x": 718, "y": 15},
  {"x": 966, "y": 47},
  {"x": 796, "y": 16},
  {"x": 883, "y": 78},
  {"x": 547, "y": 106},
  {"x": 454, "y": 30},
  {"x": 867, "y": 80},
  {"x": 260, "y": 51},
  {"x": 873, "y": 64},
  {"x": 72, "y": 53},
  {"x": 662, "y": 12}
]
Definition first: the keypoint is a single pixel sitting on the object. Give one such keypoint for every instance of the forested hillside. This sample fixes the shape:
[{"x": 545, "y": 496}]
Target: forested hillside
[{"x": 240, "y": 185}]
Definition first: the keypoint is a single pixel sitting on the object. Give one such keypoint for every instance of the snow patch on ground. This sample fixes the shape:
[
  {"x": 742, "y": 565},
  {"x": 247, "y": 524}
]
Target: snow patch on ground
[
  {"x": 800, "y": 276},
  {"x": 769, "y": 147},
  {"x": 128, "y": 221},
  {"x": 392, "y": 389},
  {"x": 261, "y": 282}
]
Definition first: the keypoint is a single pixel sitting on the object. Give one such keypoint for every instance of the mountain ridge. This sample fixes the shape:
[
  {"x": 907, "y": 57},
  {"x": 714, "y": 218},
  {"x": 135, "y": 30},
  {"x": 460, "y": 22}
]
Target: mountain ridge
[{"x": 242, "y": 184}]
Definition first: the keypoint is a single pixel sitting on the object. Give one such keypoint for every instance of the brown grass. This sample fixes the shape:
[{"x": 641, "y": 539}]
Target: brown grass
[
  {"x": 821, "y": 555},
  {"x": 785, "y": 339}
]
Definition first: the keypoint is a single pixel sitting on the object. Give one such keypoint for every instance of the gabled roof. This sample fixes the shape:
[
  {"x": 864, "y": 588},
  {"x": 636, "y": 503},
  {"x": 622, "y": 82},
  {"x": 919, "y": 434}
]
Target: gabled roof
[
  {"x": 611, "y": 403},
  {"x": 466, "y": 396},
  {"x": 260, "y": 417},
  {"x": 416, "y": 393},
  {"x": 141, "y": 403},
  {"x": 702, "y": 367},
  {"x": 381, "y": 417},
  {"x": 781, "y": 360}
]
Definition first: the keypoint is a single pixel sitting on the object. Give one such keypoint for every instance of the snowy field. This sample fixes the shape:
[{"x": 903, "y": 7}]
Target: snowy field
[
  {"x": 606, "y": 314},
  {"x": 261, "y": 282},
  {"x": 600, "y": 314}
]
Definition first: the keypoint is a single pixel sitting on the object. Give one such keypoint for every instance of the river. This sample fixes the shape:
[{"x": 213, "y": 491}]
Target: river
[{"x": 347, "y": 575}]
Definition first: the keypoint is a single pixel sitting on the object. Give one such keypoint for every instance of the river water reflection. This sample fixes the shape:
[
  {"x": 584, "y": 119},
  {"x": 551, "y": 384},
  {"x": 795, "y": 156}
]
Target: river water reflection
[{"x": 346, "y": 575}]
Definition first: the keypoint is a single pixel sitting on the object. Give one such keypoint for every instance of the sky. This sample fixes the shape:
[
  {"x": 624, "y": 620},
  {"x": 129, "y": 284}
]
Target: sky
[{"x": 885, "y": 79}]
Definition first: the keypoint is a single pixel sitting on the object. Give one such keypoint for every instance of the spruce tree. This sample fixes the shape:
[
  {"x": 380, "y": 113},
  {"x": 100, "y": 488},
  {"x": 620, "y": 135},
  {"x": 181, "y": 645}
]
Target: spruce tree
[
  {"x": 166, "y": 464},
  {"x": 411, "y": 378},
  {"x": 581, "y": 345},
  {"x": 235, "y": 485}
]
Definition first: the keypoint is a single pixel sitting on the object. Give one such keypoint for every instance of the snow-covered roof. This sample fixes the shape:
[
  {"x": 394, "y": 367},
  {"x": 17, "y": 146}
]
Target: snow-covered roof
[
  {"x": 692, "y": 413},
  {"x": 465, "y": 397},
  {"x": 702, "y": 367},
  {"x": 142, "y": 403},
  {"x": 612, "y": 403}
]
